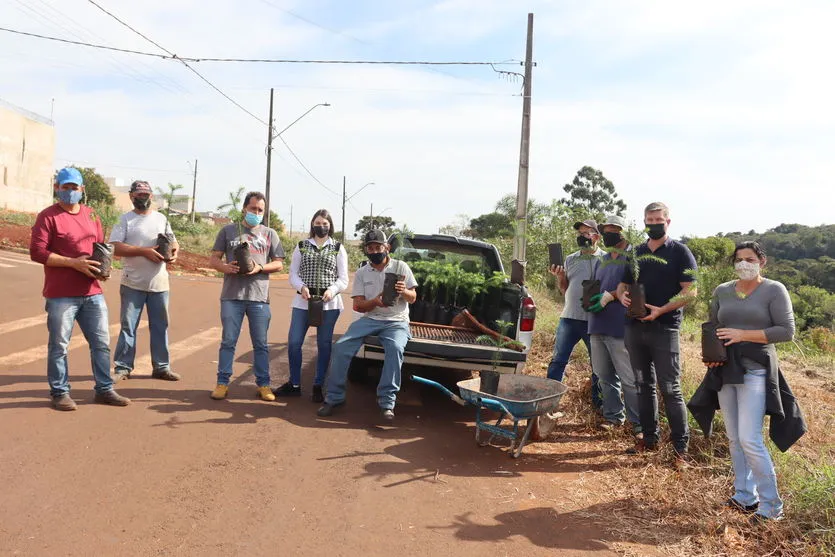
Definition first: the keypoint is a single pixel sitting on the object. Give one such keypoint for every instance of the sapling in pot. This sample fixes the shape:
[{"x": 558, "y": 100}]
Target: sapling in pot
[
  {"x": 164, "y": 246},
  {"x": 103, "y": 251},
  {"x": 242, "y": 255},
  {"x": 489, "y": 379}
]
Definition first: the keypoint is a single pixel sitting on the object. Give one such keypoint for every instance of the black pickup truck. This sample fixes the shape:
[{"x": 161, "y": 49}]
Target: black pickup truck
[{"x": 438, "y": 345}]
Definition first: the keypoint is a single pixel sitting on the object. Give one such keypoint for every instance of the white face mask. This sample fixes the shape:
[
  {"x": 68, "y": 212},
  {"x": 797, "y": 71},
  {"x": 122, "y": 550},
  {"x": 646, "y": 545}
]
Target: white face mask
[{"x": 746, "y": 270}]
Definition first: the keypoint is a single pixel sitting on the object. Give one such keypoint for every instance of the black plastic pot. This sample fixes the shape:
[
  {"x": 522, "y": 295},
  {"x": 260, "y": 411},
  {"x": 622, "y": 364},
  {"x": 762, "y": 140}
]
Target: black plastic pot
[
  {"x": 590, "y": 288},
  {"x": 489, "y": 381},
  {"x": 244, "y": 258},
  {"x": 555, "y": 256},
  {"x": 638, "y": 307},
  {"x": 164, "y": 246},
  {"x": 713, "y": 349},
  {"x": 315, "y": 311},
  {"x": 417, "y": 311},
  {"x": 103, "y": 253},
  {"x": 389, "y": 293}
]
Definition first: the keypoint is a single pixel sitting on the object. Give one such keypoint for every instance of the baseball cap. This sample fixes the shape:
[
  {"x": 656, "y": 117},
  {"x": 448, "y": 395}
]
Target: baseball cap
[
  {"x": 591, "y": 223},
  {"x": 140, "y": 186},
  {"x": 374, "y": 236},
  {"x": 69, "y": 175},
  {"x": 614, "y": 220}
]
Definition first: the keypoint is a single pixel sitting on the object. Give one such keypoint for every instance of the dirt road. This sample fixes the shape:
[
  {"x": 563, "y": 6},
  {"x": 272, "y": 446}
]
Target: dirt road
[{"x": 176, "y": 473}]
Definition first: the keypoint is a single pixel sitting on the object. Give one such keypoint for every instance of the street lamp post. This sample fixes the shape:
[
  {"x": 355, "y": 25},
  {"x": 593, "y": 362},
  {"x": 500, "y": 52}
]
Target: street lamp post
[
  {"x": 270, "y": 136},
  {"x": 346, "y": 199}
]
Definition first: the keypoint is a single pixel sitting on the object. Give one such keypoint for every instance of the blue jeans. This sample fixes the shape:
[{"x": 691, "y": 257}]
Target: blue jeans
[
  {"x": 324, "y": 338},
  {"x": 91, "y": 314},
  {"x": 610, "y": 362},
  {"x": 132, "y": 303},
  {"x": 393, "y": 336},
  {"x": 569, "y": 333},
  {"x": 232, "y": 317},
  {"x": 743, "y": 410}
]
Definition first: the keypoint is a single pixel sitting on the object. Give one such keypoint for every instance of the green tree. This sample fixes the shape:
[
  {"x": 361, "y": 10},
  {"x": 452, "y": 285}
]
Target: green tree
[
  {"x": 813, "y": 307},
  {"x": 384, "y": 223},
  {"x": 169, "y": 196},
  {"x": 491, "y": 225},
  {"x": 537, "y": 212},
  {"x": 96, "y": 190},
  {"x": 233, "y": 206},
  {"x": 711, "y": 251},
  {"x": 594, "y": 194}
]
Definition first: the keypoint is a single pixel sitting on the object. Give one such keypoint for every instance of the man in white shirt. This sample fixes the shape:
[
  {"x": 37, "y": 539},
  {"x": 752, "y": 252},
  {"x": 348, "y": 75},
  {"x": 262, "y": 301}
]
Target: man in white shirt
[{"x": 389, "y": 323}]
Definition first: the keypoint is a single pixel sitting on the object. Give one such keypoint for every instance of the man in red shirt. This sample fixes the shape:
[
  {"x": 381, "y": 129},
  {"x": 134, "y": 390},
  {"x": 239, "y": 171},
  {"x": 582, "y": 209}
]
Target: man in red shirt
[{"x": 62, "y": 241}]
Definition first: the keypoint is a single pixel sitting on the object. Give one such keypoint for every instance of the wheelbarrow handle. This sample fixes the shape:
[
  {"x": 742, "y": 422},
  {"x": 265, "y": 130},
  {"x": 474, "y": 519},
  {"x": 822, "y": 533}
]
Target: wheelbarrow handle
[
  {"x": 495, "y": 405},
  {"x": 454, "y": 397}
]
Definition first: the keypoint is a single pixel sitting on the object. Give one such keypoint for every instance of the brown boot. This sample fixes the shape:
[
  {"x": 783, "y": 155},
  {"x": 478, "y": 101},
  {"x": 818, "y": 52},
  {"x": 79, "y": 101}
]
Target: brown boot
[
  {"x": 112, "y": 398},
  {"x": 63, "y": 403}
]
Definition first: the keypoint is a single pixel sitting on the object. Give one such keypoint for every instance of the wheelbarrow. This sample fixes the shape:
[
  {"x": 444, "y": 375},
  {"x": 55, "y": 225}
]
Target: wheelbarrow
[{"x": 518, "y": 398}]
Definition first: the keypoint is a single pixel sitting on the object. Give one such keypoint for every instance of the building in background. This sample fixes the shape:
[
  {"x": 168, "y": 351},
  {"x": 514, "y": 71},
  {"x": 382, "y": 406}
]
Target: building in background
[{"x": 27, "y": 151}]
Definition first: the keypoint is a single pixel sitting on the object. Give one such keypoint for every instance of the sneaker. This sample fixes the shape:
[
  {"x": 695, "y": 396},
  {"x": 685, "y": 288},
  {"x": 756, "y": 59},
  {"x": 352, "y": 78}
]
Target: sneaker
[
  {"x": 641, "y": 446},
  {"x": 265, "y": 393},
  {"x": 758, "y": 519},
  {"x": 607, "y": 426},
  {"x": 387, "y": 414},
  {"x": 317, "y": 395},
  {"x": 288, "y": 389},
  {"x": 63, "y": 403},
  {"x": 112, "y": 398},
  {"x": 220, "y": 392},
  {"x": 165, "y": 375},
  {"x": 737, "y": 506},
  {"x": 120, "y": 373},
  {"x": 327, "y": 409}
]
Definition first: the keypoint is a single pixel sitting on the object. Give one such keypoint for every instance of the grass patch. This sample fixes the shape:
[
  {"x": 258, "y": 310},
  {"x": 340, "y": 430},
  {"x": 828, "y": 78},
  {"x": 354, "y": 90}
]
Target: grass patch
[{"x": 14, "y": 217}]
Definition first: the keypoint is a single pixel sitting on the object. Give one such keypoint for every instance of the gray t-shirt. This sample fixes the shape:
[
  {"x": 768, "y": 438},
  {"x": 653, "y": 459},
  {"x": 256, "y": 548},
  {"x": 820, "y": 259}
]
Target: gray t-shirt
[
  {"x": 368, "y": 282},
  {"x": 140, "y": 273},
  {"x": 264, "y": 246},
  {"x": 768, "y": 308},
  {"x": 579, "y": 267}
]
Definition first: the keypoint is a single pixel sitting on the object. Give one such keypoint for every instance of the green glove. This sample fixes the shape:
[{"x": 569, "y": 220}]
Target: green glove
[
  {"x": 596, "y": 298},
  {"x": 596, "y": 307}
]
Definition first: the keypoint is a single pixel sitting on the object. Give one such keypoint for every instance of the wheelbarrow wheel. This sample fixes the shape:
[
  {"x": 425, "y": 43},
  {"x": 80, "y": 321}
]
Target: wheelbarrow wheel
[{"x": 543, "y": 425}]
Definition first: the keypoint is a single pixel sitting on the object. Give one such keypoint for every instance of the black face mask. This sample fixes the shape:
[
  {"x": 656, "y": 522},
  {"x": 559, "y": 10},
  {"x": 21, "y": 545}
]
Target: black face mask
[
  {"x": 377, "y": 258},
  {"x": 611, "y": 239},
  {"x": 656, "y": 231},
  {"x": 141, "y": 203},
  {"x": 584, "y": 242},
  {"x": 320, "y": 231}
]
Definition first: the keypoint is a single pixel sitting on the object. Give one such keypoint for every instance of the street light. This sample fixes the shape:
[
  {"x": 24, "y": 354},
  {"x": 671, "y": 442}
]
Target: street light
[
  {"x": 309, "y": 110},
  {"x": 193, "y": 189}
]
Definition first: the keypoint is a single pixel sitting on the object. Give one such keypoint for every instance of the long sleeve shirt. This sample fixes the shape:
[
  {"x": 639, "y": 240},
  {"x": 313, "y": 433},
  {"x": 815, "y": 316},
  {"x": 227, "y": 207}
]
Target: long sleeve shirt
[
  {"x": 57, "y": 231},
  {"x": 335, "y": 288}
]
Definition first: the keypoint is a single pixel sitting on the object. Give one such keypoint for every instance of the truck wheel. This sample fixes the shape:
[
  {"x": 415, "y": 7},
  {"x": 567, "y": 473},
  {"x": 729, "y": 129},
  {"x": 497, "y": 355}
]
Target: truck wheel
[
  {"x": 543, "y": 425},
  {"x": 358, "y": 371}
]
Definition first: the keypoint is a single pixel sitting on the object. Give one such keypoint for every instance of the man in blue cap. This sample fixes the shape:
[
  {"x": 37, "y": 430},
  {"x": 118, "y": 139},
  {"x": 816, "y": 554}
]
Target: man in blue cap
[{"x": 62, "y": 241}]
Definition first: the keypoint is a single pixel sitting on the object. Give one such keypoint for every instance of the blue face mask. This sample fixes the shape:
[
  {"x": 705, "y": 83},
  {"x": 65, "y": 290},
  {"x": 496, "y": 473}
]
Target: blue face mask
[
  {"x": 252, "y": 219},
  {"x": 69, "y": 197}
]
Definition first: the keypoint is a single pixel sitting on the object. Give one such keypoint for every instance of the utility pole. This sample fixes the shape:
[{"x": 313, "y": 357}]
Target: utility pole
[
  {"x": 519, "y": 240},
  {"x": 344, "y": 199},
  {"x": 269, "y": 161},
  {"x": 194, "y": 193},
  {"x": 291, "y": 219}
]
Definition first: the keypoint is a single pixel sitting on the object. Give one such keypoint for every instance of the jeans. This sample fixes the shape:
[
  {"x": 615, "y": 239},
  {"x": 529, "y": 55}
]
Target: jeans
[
  {"x": 132, "y": 303},
  {"x": 393, "y": 336},
  {"x": 610, "y": 362},
  {"x": 569, "y": 333},
  {"x": 743, "y": 410},
  {"x": 654, "y": 353},
  {"x": 91, "y": 314},
  {"x": 232, "y": 317},
  {"x": 324, "y": 338}
]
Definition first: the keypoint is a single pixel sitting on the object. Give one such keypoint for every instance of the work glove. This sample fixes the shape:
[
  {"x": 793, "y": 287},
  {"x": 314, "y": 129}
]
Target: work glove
[{"x": 599, "y": 301}]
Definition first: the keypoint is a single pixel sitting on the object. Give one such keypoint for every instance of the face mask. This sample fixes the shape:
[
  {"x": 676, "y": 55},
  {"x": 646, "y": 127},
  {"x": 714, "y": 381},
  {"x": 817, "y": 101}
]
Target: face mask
[
  {"x": 69, "y": 197},
  {"x": 320, "y": 231},
  {"x": 656, "y": 231},
  {"x": 611, "y": 239},
  {"x": 252, "y": 219},
  {"x": 141, "y": 203},
  {"x": 583, "y": 242},
  {"x": 746, "y": 270},
  {"x": 377, "y": 258}
]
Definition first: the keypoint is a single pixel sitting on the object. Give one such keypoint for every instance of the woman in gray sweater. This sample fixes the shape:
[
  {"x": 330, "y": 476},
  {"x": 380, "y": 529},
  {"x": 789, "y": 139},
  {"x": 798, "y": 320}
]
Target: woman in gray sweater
[{"x": 754, "y": 310}]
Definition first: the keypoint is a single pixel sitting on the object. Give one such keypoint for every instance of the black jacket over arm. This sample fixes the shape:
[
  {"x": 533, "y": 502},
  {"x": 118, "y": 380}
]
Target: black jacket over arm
[{"x": 787, "y": 423}]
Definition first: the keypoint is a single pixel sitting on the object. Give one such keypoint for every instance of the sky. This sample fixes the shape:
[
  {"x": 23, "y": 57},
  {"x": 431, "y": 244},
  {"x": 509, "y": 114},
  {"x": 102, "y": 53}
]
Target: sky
[{"x": 722, "y": 110}]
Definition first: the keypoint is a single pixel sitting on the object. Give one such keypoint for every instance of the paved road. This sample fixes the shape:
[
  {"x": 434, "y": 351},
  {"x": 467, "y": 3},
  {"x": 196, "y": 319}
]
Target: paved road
[{"x": 176, "y": 473}]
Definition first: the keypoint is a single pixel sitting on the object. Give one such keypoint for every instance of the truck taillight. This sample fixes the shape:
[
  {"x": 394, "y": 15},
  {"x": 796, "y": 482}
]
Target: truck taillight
[{"x": 528, "y": 315}]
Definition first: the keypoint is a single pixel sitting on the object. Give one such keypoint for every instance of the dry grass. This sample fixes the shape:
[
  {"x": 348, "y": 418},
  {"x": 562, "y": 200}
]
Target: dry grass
[{"x": 648, "y": 506}]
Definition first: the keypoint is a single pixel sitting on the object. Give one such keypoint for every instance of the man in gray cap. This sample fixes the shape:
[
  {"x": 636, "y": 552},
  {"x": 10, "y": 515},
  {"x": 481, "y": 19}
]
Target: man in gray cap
[
  {"x": 609, "y": 358},
  {"x": 573, "y": 325},
  {"x": 390, "y": 323}
]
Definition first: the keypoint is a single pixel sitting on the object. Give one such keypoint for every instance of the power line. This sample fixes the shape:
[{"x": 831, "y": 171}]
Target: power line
[
  {"x": 298, "y": 160},
  {"x": 184, "y": 59},
  {"x": 198, "y": 74},
  {"x": 313, "y": 23}
]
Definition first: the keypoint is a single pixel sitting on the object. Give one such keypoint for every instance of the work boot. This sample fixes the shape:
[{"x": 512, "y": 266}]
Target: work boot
[
  {"x": 387, "y": 414},
  {"x": 165, "y": 375},
  {"x": 64, "y": 403},
  {"x": 111, "y": 398},
  {"x": 737, "y": 506},
  {"x": 327, "y": 409},
  {"x": 220, "y": 392},
  {"x": 641, "y": 446},
  {"x": 266, "y": 393},
  {"x": 120, "y": 373},
  {"x": 288, "y": 389}
]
